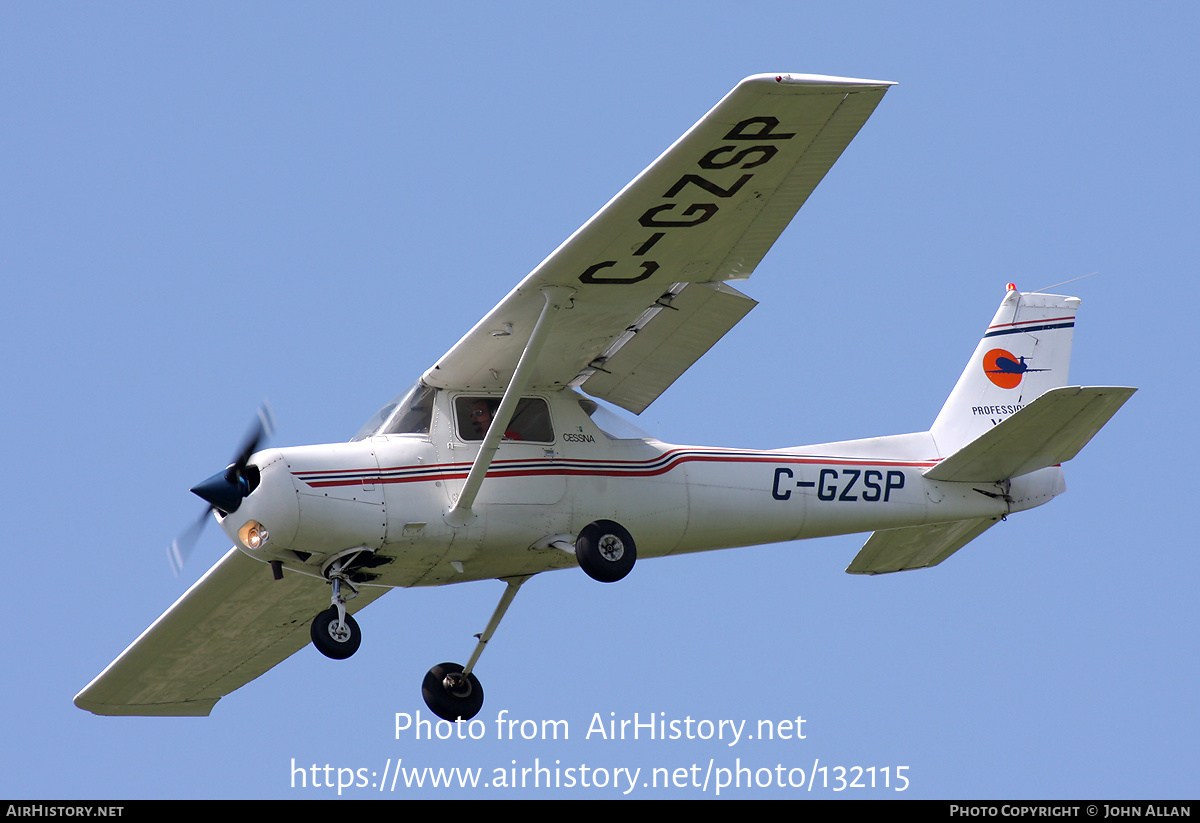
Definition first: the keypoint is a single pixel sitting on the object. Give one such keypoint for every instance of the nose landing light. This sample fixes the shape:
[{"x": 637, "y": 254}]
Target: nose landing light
[{"x": 253, "y": 535}]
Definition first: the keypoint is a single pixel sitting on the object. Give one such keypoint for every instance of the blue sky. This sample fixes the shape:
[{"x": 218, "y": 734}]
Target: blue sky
[{"x": 210, "y": 204}]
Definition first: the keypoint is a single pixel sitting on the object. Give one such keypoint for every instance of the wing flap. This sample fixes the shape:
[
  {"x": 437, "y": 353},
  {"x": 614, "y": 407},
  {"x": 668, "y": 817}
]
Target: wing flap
[
  {"x": 916, "y": 547},
  {"x": 660, "y": 347},
  {"x": 231, "y": 626},
  {"x": 1050, "y": 430}
]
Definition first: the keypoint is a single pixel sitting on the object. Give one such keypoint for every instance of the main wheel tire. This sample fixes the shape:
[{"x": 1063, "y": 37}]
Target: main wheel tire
[
  {"x": 332, "y": 642},
  {"x": 605, "y": 551},
  {"x": 451, "y": 696}
]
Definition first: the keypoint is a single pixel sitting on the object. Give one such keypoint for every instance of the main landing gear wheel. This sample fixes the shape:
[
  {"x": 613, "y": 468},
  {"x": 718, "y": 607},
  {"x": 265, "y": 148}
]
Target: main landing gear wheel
[
  {"x": 334, "y": 640},
  {"x": 605, "y": 551},
  {"x": 450, "y": 695}
]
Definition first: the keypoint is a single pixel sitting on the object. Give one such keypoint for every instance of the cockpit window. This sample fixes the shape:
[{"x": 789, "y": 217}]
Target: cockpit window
[
  {"x": 408, "y": 413},
  {"x": 531, "y": 420}
]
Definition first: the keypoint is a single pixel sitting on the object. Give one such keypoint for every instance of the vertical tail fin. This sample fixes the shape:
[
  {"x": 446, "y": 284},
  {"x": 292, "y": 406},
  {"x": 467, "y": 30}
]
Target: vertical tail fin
[{"x": 1025, "y": 352}]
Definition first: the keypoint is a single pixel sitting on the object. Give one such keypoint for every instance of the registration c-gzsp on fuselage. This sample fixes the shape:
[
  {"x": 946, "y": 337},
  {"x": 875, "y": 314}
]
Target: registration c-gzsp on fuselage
[{"x": 498, "y": 463}]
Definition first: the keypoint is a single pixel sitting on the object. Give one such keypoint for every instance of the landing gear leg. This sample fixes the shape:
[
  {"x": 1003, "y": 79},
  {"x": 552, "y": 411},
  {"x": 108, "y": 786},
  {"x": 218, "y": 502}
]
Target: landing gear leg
[
  {"x": 335, "y": 633},
  {"x": 451, "y": 691}
]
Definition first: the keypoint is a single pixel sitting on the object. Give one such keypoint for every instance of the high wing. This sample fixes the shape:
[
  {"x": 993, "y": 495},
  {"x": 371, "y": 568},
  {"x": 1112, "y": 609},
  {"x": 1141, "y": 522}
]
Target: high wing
[
  {"x": 648, "y": 271},
  {"x": 232, "y": 625}
]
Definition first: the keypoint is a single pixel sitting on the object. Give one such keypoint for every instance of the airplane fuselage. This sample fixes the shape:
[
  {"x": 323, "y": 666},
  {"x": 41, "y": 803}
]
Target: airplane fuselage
[{"x": 387, "y": 494}]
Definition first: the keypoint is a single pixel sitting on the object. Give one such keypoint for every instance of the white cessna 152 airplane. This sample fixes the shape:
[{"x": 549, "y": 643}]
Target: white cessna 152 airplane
[{"x": 494, "y": 465}]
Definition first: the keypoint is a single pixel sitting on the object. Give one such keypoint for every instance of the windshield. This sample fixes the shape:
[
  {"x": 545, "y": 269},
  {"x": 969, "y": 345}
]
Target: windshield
[{"x": 409, "y": 412}]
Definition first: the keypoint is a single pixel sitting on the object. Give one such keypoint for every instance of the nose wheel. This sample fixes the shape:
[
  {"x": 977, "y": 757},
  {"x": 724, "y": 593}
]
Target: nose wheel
[{"x": 335, "y": 638}]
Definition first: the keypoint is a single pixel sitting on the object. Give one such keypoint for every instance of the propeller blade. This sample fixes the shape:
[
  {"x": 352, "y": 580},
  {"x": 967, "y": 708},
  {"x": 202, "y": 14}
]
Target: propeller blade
[
  {"x": 224, "y": 491},
  {"x": 262, "y": 428},
  {"x": 181, "y": 547}
]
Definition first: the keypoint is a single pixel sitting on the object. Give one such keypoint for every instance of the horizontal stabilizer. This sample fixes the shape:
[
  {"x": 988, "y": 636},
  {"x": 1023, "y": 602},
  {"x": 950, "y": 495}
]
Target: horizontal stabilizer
[
  {"x": 1050, "y": 430},
  {"x": 915, "y": 547}
]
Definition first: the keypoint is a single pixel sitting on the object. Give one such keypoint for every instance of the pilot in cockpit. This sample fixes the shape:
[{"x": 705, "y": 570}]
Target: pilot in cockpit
[{"x": 482, "y": 413}]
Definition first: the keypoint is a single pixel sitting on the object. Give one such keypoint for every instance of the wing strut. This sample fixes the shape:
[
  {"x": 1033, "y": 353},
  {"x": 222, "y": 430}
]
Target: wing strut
[{"x": 557, "y": 297}]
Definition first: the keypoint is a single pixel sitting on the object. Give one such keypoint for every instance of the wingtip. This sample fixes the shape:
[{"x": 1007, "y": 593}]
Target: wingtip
[
  {"x": 793, "y": 79},
  {"x": 191, "y": 708}
]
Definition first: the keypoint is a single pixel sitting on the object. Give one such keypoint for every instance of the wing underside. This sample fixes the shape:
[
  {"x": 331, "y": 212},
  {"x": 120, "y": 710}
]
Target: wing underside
[
  {"x": 233, "y": 625},
  {"x": 705, "y": 212}
]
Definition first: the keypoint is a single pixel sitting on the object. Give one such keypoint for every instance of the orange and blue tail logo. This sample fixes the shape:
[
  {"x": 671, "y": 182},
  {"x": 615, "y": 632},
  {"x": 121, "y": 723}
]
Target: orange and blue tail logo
[{"x": 1005, "y": 369}]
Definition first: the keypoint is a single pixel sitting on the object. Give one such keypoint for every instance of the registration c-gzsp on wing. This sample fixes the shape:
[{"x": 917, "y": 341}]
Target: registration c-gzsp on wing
[{"x": 498, "y": 464}]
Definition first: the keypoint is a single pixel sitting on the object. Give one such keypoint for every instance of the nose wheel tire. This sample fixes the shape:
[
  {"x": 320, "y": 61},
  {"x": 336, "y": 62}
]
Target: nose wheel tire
[
  {"x": 333, "y": 639},
  {"x": 451, "y": 695},
  {"x": 605, "y": 551}
]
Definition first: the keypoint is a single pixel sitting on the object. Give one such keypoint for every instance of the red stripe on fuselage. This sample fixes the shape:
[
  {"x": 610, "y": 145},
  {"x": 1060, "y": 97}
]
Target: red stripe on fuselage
[{"x": 597, "y": 468}]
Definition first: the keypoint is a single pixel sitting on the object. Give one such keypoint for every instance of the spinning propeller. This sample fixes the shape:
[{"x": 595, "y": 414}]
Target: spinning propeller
[{"x": 225, "y": 490}]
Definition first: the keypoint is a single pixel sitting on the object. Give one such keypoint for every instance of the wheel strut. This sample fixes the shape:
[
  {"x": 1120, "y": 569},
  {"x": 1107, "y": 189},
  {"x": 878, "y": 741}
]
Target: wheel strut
[
  {"x": 506, "y": 599},
  {"x": 453, "y": 692},
  {"x": 335, "y": 633},
  {"x": 342, "y": 588}
]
